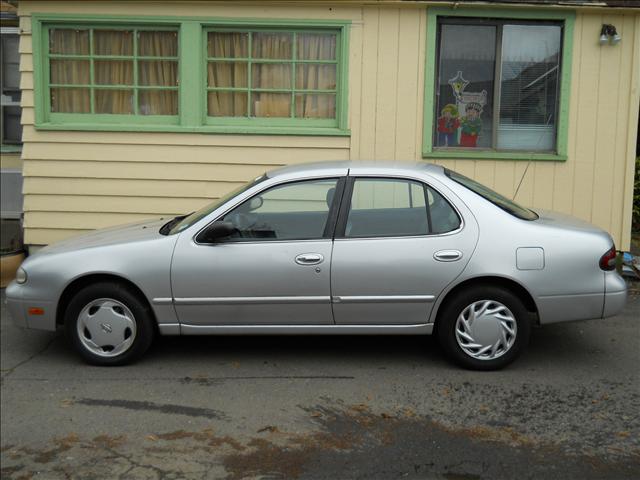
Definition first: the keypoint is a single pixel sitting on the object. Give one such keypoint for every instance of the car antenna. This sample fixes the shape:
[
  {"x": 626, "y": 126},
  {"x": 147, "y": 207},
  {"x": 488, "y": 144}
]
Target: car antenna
[{"x": 521, "y": 179}]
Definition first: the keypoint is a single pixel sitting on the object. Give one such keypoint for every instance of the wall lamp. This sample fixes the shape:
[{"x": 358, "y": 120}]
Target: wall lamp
[{"x": 609, "y": 32}]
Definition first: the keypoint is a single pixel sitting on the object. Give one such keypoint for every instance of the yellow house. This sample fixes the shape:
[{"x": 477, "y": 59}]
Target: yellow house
[{"x": 142, "y": 108}]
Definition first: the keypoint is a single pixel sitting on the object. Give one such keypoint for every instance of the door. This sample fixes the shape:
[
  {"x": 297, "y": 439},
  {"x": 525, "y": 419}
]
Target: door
[
  {"x": 398, "y": 243},
  {"x": 274, "y": 268}
]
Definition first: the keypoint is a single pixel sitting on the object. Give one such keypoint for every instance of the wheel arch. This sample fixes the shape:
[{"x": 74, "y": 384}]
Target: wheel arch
[
  {"x": 81, "y": 282},
  {"x": 495, "y": 281}
]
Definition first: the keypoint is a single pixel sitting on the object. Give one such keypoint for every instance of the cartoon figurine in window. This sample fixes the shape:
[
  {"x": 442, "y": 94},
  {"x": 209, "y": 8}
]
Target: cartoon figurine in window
[
  {"x": 448, "y": 125},
  {"x": 471, "y": 125}
]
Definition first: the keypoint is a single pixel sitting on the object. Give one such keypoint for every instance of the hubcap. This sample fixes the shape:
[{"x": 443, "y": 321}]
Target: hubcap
[
  {"x": 486, "y": 329},
  {"x": 106, "y": 327}
]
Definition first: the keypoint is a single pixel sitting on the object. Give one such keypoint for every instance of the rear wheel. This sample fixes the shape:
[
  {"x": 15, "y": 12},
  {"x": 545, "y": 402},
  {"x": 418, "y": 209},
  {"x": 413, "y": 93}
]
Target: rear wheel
[
  {"x": 484, "y": 328},
  {"x": 108, "y": 324}
]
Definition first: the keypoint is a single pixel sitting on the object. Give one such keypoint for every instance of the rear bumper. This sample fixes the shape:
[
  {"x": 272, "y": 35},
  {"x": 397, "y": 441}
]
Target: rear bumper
[{"x": 615, "y": 297}]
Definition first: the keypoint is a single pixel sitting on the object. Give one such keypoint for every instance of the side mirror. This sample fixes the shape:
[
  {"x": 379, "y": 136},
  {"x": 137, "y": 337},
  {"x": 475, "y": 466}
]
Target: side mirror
[{"x": 216, "y": 231}]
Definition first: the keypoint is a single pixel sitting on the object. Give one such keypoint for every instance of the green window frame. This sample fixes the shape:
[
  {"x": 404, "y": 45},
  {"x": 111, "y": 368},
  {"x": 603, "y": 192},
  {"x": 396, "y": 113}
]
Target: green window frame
[
  {"x": 567, "y": 17},
  {"x": 192, "y": 74}
]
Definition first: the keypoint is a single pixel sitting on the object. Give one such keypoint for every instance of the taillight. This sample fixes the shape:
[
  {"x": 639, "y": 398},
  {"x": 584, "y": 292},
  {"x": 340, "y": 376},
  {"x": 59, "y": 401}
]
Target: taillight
[{"x": 608, "y": 260}]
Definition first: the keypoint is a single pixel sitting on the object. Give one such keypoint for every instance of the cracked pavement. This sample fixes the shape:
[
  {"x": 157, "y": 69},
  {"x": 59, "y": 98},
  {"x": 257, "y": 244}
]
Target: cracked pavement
[{"x": 324, "y": 408}]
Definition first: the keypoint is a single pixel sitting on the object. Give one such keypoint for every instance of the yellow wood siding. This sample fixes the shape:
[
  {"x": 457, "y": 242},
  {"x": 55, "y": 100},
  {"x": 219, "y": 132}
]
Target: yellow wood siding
[{"x": 77, "y": 181}]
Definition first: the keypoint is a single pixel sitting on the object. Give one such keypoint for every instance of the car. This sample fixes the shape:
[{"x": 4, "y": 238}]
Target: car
[{"x": 328, "y": 248}]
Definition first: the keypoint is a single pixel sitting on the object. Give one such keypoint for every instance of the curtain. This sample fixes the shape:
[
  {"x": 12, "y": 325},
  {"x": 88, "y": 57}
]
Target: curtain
[{"x": 310, "y": 76}]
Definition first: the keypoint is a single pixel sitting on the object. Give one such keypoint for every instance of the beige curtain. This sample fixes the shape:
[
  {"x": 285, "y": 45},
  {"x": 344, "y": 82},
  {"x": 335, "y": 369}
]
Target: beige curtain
[
  {"x": 69, "y": 72},
  {"x": 312, "y": 76},
  {"x": 227, "y": 74}
]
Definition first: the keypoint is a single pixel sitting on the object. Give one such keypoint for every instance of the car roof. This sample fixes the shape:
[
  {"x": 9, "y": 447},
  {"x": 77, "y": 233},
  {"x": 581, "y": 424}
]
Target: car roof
[{"x": 360, "y": 166}]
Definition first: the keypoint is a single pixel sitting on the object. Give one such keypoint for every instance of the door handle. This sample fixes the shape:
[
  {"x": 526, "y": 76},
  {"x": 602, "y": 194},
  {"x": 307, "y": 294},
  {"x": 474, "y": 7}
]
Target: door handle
[
  {"x": 309, "y": 259},
  {"x": 447, "y": 255}
]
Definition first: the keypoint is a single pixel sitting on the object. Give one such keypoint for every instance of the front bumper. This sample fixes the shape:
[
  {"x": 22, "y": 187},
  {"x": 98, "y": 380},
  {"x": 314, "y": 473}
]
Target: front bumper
[{"x": 19, "y": 307}]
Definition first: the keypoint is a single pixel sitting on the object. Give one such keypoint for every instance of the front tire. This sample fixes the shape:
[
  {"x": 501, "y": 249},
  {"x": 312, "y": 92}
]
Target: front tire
[
  {"x": 108, "y": 324},
  {"x": 484, "y": 328}
]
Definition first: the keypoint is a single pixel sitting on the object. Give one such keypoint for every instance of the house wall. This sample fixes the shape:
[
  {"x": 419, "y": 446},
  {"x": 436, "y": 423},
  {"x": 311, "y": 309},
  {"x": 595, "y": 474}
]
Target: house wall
[{"x": 77, "y": 181}]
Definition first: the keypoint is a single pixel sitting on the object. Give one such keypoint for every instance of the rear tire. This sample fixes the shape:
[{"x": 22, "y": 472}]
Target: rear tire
[
  {"x": 484, "y": 328},
  {"x": 108, "y": 324}
]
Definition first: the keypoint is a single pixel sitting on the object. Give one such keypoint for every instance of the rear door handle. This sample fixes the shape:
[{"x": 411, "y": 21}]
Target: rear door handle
[
  {"x": 447, "y": 255},
  {"x": 309, "y": 259}
]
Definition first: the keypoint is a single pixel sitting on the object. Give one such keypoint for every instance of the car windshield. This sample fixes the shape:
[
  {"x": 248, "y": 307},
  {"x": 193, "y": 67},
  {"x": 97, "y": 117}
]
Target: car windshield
[
  {"x": 187, "y": 221},
  {"x": 494, "y": 197}
]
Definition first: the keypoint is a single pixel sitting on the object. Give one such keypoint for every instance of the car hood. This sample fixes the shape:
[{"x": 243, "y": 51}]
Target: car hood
[
  {"x": 133, "y": 232},
  {"x": 566, "y": 222}
]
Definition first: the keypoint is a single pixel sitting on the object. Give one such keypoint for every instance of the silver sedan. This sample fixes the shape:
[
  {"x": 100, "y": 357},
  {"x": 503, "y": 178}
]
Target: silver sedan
[{"x": 328, "y": 248}]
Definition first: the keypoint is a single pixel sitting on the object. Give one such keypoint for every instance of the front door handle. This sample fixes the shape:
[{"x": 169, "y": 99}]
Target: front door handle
[
  {"x": 309, "y": 259},
  {"x": 447, "y": 255}
]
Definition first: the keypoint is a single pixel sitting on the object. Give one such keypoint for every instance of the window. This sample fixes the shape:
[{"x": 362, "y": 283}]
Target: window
[
  {"x": 10, "y": 128},
  {"x": 293, "y": 211},
  {"x": 223, "y": 76},
  {"x": 394, "y": 208},
  {"x": 128, "y": 71},
  {"x": 500, "y": 85}
]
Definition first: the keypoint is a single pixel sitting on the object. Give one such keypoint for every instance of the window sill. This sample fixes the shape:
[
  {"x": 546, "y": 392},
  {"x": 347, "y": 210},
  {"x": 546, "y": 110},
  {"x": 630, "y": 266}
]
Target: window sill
[
  {"x": 494, "y": 155},
  {"x": 231, "y": 129},
  {"x": 10, "y": 148}
]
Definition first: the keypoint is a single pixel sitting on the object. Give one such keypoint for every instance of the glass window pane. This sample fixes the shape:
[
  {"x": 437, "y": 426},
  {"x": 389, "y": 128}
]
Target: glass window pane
[
  {"x": 271, "y": 75},
  {"x": 316, "y": 46},
  {"x": 158, "y": 44},
  {"x": 69, "y": 42},
  {"x": 529, "y": 87},
  {"x": 11, "y": 127},
  {"x": 69, "y": 72},
  {"x": 310, "y": 76},
  {"x": 315, "y": 106},
  {"x": 113, "y": 72},
  {"x": 295, "y": 211},
  {"x": 161, "y": 72},
  {"x": 227, "y": 104},
  {"x": 271, "y": 105},
  {"x": 227, "y": 45},
  {"x": 227, "y": 74},
  {"x": 114, "y": 101},
  {"x": 70, "y": 100},
  {"x": 10, "y": 63},
  {"x": 465, "y": 86},
  {"x": 157, "y": 102},
  {"x": 113, "y": 42},
  {"x": 443, "y": 216},
  {"x": 387, "y": 207},
  {"x": 272, "y": 45}
]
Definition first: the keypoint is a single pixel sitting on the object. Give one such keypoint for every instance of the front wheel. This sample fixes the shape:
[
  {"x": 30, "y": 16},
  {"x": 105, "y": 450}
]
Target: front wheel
[
  {"x": 484, "y": 328},
  {"x": 108, "y": 324}
]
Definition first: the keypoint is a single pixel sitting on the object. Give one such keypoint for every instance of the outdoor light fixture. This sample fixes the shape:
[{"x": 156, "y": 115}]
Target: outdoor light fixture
[{"x": 609, "y": 32}]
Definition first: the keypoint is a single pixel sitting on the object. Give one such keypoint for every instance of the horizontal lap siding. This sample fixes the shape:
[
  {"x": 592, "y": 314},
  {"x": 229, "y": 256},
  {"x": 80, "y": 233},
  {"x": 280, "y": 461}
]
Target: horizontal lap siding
[{"x": 76, "y": 181}]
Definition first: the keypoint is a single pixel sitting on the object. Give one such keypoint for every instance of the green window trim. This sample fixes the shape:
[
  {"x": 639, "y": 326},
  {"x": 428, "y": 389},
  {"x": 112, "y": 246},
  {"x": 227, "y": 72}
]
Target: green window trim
[
  {"x": 429, "y": 118},
  {"x": 192, "y": 88}
]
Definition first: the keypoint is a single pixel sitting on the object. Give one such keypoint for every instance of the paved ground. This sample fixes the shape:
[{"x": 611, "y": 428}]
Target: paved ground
[{"x": 325, "y": 408}]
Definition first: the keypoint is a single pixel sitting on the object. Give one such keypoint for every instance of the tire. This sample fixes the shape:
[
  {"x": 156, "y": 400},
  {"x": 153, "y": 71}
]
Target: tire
[
  {"x": 109, "y": 324},
  {"x": 484, "y": 328}
]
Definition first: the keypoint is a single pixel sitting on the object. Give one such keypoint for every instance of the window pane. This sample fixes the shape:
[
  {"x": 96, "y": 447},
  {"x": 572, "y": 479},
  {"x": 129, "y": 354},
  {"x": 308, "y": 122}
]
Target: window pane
[
  {"x": 271, "y": 104},
  {"x": 11, "y": 127},
  {"x": 113, "y": 42},
  {"x": 158, "y": 102},
  {"x": 70, "y": 100},
  {"x": 69, "y": 72},
  {"x": 387, "y": 207},
  {"x": 69, "y": 42},
  {"x": 10, "y": 63},
  {"x": 529, "y": 86},
  {"x": 272, "y": 45},
  {"x": 161, "y": 73},
  {"x": 114, "y": 101},
  {"x": 316, "y": 106},
  {"x": 296, "y": 211},
  {"x": 465, "y": 86},
  {"x": 316, "y": 46},
  {"x": 116, "y": 72},
  {"x": 158, "y": 44},
  {"x": 227, "y": 74},
  {"x": 227, "y": 45},
  {"x": 227, "y": 104},
  {"x": 310, "y": 76},
  {"x": 443, "y": 216},
  {"x": 271, "y": 75}
]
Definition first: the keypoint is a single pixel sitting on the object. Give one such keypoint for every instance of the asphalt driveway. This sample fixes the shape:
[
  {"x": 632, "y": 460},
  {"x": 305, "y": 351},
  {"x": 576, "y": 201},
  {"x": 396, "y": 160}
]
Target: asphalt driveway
[{"x": 325, "y": 408}]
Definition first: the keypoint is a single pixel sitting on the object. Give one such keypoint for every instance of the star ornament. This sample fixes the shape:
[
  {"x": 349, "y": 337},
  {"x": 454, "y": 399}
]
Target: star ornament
[{"x": 458, "y": 84}]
